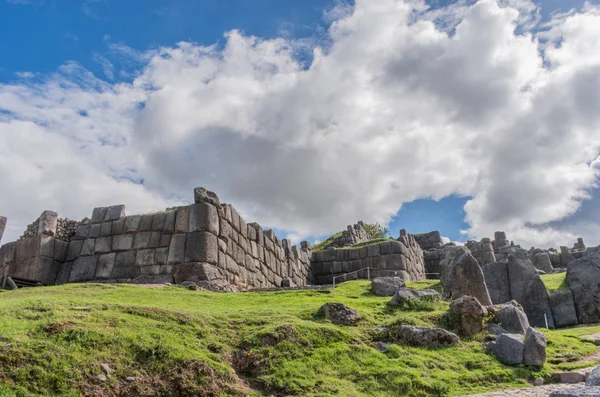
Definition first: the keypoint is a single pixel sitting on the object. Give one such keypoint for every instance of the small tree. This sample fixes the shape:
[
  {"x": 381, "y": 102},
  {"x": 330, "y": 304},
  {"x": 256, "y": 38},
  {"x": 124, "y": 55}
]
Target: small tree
[{"x": 375, "y": 230}]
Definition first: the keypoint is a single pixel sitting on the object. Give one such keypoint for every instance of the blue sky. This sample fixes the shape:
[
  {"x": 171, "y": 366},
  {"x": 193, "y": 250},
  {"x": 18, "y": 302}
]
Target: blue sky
[{"x": 41, "y": 35}]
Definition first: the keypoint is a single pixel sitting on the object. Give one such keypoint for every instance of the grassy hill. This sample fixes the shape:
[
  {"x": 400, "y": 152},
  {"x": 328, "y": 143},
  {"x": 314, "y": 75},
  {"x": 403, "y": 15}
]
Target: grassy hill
[{"x": 178, "y": 342}]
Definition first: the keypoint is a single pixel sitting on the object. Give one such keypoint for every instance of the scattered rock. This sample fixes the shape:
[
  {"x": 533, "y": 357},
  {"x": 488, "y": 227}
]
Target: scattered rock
[
  {"x": 470, "y": 314},
  {"x": 101, "y": 378},
  {"x": 538, "y": 382},
  {"x": 339, "y": 314},
  {"x": 592, "y": 391},
  {"x": 594, "y": 377},
  {"x": 508, "y": 348},
  {"x": 380, "y": 346},
  {"x": 106, "y": 368},
  {"x": 386, "y": 286},
  {"x": 496, "y": 280},
  {"x": 405, "y": 294},
  {"x": 512, "y": 318},
  {"x": 423, "y": 336},
  {"x": 535, "y": 348},
  {"x": 571, "y": 377},
  {"x": 130, "y": 379}
]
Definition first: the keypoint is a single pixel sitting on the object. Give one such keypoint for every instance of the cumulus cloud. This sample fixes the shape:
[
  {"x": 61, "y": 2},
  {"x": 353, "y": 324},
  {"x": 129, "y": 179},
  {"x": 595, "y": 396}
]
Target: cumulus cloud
[{"x": 401, "y": 103}]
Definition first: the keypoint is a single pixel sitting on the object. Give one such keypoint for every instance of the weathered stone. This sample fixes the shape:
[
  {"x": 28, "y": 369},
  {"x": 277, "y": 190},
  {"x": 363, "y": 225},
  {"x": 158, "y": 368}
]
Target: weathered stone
[
  {"x": 403, "y": 295},
  {"x": 88, "y": 247},
  {"x": 422, "y": 336},
  {"x": 106, "y": 229},
  {"x": 126, "y": 272},
  {"x": 202, "y": 247},
  {"x": 496, "y": 280},
  {"x": 386, "y": 286},
  {"x": 542, "y": 262},
  {"x": 594, "y": 377},
  {"x": 339, "y": 314},
  {"x": 118, "y": 226},
  {"x": 584, "y": 391},
  {"x": 177, "y": 249},
  {"x": 165, "y": 240},
  {"x": 125, "y": 259},
  {"x": 153, "y": 279},
  {"x": 141, "y": 240},
  {"x": 204, "y": 218},
  {"x": 508, "y": 348},
  {"x": 95, "y": 230},
  {"x": 61, "y": 248},
  {"x": 469, "y": 313},
  {"x": 182, "y": 220},
  {"x": 103, "y": 245},
  {"x": 198, "y": 272},
  {"x": 158, "y": 222},
  {"x": 82, "y": 232},
  {"x": 527, "y": 288},
  {"x": 74, "y": 250},
  {"x": 144, "y": 257},
  {"x": 98, "y": 214},
  {"x": 114, "y": 212},
  {"x": 202, "y": 195},
  {"x": 583, "y": 276},
  {"x": 105, "y": 265},
  {"x": 122, "y": 242},
  {"x": 563, "y": 308},
  {"x": 535, "y": 348},
  {"x": 84, "y": 269},
  {"x": 48, "y": 222},
  {"x": 170, "y": 222},
  {"x": 161, "y": 256},
  {"x": 132, "y": 224},
  {"x": 461, "y": 275},
  {"x": 495, "y": 329},
  {"x": 512, "y": 318}
]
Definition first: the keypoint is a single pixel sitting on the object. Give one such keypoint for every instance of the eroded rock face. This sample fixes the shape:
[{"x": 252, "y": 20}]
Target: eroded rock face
[
  {"x": 496, "y": 280},
  {"x": 585, "y": 391},
  {"x": 563, "y": 308},
  {"x": 512, "y": 318},
  {"x": 583, "y": 276},
  {"x": 535, "y": 348},
  {"x": 470, "y": 314},
  {"x": 386, "y": 286},
  {"x": 527, "y": 288},
  {"x": 423, "y": 336},
  {"x": 403, "y": 295},
  {"x": 594, "y": 378},
  {"x": 508, "y": 348},
  {"x": 340, "y": 314},
  {"x": 202, "y": 195},
  {"x": 461, "y": 275}
]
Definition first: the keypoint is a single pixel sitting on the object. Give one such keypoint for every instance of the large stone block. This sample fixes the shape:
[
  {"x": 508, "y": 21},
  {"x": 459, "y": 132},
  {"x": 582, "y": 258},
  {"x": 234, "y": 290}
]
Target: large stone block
[
  {"x": 118, "y": 226},
  {"x": 165, "y": 240},
  {"x": 105, "y": 265},
  {"x": 141, "y": 240},
  {"x": 202, "y": 195},
  {"x": 563, "y": 308},
  {"x": 84, "y": 269},
  {"x": 204, "y": 218},
  {"x": 46, "y": 244},
  {"x": 583, "y": 276},
  {"x": 496, "y": 279},
  {"x": 114, "y": 212},
  {"x": 122, "y": 242},
  {"x": 177, "y": 249},
  {"x": 170, "y": 222},
  {"x": 106, "y": 229},
  {"x": 98, "y": 214},
  {"x": 82, "y": 232},
  {"x": 125, "y": 259},
  {"x": 158, "y": 222},
  {"x": 88, "y": 247},
  {"x": 146, "y": 223},
  {"x": 161, "y": 256},
  {"x": 154, "y": 240},
  {"x": 74, "y": 250},
  {"x": 461, "y": 275},
  {"x": 132, "y": 224},
  {"x": 60, "y": 250},
  {"x": 145, "y": 257},
  {"x": 95, "y": 230},
  {"x": 127, "y": 272},
  {"x": 2, "y": 226},
  {"x": 47, "y": 223},
  {"x": 103, "y": 245},
  {"x": 182, "y": 220}
]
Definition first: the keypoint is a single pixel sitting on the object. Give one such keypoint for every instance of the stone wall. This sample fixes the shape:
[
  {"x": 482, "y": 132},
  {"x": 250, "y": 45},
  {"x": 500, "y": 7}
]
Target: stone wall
[
  {"x": 431, "y": 240},
  {"x": 354, "y": 234},
  {"x": 2, "y": 226},
  {"x": 482, "y": 250},
  {"x": 403, "y": 258},
  {"x": 205, "y": 241},
  {"x": 51, "y": 224}
]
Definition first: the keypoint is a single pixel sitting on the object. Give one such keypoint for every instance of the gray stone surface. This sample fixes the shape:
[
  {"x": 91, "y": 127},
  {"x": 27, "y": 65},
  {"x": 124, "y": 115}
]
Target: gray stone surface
[
  {"x": 105, "y": 265},
  {"x": 469, "y": 313},
  {"x": 98, "y": 214},
  {"x": 84, "y": 268},
  {"x": 386, "y": 286},
  {"x": 583, "y": 276},
  {"x": 144, "y": 257},
  {"x": 47, "y": 223},
  {"x": 2, "y": 226},
  {"x": 141, "y": 240},
  {"x": 122, "y": 242},
  {"x": 88, "y": 247},
  {"x": 202, "y": 195},
  {"x": 585, "y": 391},
  {"x": 177, "y": 249},
  {"x": 496, "y": 329},
  {"x": 103, "y": 245},
  {"x": 594, "y": 377},
  {"x": 462, "y": 275},
  {"x": 508, "y": 348},
  {"x": 542, "y": 262},
  {"x": 197, "y": 271},
  {"x": 563, "y": 308},
  {"x": 535, "y": 348},
  {"x": 125, "y": 259},
  {"x": 114, "y": 212},
  {"x": 339, "y": 313},
  {"x": 404, "y": 294},
  {"x": 132, "y": 224},
  {"x": 496, "y": 280},
  {"x": 527, "y": 288},
  {"x": 423, "y": 336},
  {"x": 204, "y": 218},
  {"x": 512, "y": 318},
  {"x": 201, "y": 247}
]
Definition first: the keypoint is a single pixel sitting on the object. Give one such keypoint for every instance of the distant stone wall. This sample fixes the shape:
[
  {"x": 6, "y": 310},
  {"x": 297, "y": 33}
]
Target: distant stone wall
[
  {"x": 482, "y": 250},
  {"x": 354, "y": 234},
  {"x": 431, "y": 240},
  {"x": 51, "y": 224},
  {"x": 403, "y": 257},
  {"x": 205, "y": 241}
]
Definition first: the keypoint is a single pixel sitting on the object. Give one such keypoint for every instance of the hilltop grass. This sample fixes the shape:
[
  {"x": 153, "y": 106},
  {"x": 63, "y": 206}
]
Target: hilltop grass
[
  {"x": 555, "y": 281},
  {"x": 178, "y": 342}
]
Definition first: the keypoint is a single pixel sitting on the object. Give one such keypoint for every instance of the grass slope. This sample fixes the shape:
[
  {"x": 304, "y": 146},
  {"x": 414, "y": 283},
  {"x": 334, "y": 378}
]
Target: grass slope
[
  {"x": 555, "y": 281},
  {"x": 178, "y": 342}
]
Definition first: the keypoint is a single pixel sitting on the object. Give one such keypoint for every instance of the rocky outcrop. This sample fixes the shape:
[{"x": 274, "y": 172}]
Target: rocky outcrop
[
  {"x": 542, "y": 262},
  {"x": 496, "y": 280},
  {"x": 508, "y": 348},
  {"x": 563, "y": 308},
  {"x": 469, "y": 314},
  {"x": 527, "y": 288},
  {"x": 535, "y": 348},
  {"x": 461, "y": 275},
  {"x": 386, "y": 286},
  {"x": 403, "y": 295},
  {"x": 353, "y": 234},
  {"x": 512, "y": 318},
  {"x": 422, "y": 336},
  {"x": 339, "y": 314},
  {"x": 483, "y": 251},
  {"x": 583, "y": 276},
  {"x": 431, "y": 240}
]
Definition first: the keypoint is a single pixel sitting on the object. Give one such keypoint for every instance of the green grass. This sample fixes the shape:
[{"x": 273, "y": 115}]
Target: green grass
[
  {"x": 555, "y": 281},
  {"x": 178, "y": 342},
  {"x": 371, "y": 242},
  {"x": 326, "y": 243}
]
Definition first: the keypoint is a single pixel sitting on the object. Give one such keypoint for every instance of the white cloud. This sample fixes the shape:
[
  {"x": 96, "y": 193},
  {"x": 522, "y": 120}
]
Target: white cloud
[{"x": 403, "y": 103}]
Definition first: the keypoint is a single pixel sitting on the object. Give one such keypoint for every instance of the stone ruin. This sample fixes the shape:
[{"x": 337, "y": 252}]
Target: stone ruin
[
  {"x": 208, "y": 243},
  {"x": 2, "y": 226}
]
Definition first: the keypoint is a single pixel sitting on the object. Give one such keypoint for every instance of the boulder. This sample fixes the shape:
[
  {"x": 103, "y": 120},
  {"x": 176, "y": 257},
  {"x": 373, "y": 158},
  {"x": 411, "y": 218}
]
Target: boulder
[
  {"x": 535, "y": 348},
  {"x": 386, "y": 286},
  {"x": 508, "y": 348},
  {"x": 563, "y": 308},
  {"x": 512, "y": 318},
  {"x": 496, "y": 280},
  {"x": 202, "y": 195},
  {"x": 527, "y": 288},
  {"x": 585, "y": 391},
  {"x": 542, "y": 262},
  {"x": 461, "y": 275},
  {"x": 583, "y": 276},
  {"x": 594, "y": 377},
  {"x": 405, "y": 294},
  {"x": 496, "y": 329},
  {"x": 469, "y": 313},
  {"x": 423, "y": 336},
  {"x": 339, "y": 314}
]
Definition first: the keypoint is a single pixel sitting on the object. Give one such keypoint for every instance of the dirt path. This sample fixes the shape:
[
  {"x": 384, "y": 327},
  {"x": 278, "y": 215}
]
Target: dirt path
[{"x": 538, "y": 391}]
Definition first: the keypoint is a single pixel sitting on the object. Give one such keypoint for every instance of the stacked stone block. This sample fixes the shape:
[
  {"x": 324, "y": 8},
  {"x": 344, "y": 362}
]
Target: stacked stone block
[
  {"x": 403, "y": 258},
  {"x": 431, "y": 240},
  {"x": 2, "y": 226},
  {"x": 482, "y": 250}
]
